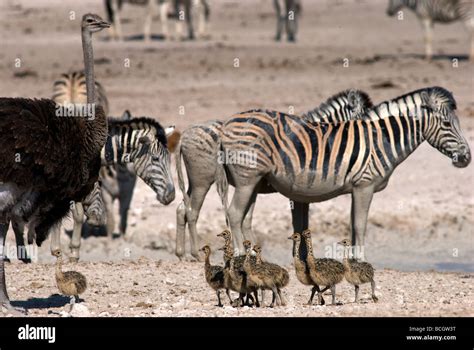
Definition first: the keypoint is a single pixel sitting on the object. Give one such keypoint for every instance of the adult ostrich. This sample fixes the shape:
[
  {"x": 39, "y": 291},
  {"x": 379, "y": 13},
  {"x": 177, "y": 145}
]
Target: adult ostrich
[{"x": 49, "y": 158}]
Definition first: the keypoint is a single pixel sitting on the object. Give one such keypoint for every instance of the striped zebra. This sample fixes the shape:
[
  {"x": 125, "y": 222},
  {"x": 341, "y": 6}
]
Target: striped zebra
[
  {"x": 437, "y": 11},
  {"x": 199, "y": 149},
  {"x": 182, "y": 8},
  {"x": 71, "y": 88},
  {"x": 287, "y": 13},
  {"x": 141, "y": 143},
  {"x": 312, "y": 162}
]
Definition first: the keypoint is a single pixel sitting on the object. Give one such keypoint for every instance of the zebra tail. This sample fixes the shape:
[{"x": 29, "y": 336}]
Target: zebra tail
[{"x": 179, "y": 170}]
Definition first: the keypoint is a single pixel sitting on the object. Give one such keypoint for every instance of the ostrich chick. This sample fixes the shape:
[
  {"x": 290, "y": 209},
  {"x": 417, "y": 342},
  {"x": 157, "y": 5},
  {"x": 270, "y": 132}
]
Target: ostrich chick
[
  {"x": 357, "y": 272},
  {"x": 214, "y": 274},
  {"x": 70, "y": 283},
  {"x": 324, "y": 272},
  {"x": 301, "y": 269}
]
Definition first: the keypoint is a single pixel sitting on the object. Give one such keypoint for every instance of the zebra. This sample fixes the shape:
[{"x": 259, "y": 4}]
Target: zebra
[
  {"x": 71, "y": 88},
  {"x": 141, "y": 143},
  {"x": 199, "y": 149},
  {"x": 182, "y": 8},
  {"x": 312, "y": 162},
  {"x": 287, "y": 13},
  {"x": 441, "y": 11}
]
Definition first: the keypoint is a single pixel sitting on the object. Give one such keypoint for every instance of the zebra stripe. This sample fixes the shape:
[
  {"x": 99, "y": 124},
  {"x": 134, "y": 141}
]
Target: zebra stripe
[
  {"x": 94, "y": 206},
  {"x": 315, "y": 154},
  {"x": 71, "y": 88},
  {"x": 141, "y": 141}
]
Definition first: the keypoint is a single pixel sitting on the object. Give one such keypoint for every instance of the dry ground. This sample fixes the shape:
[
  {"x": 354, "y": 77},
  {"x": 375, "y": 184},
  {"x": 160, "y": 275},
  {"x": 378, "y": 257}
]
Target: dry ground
[{"x": 422, "y": 222}]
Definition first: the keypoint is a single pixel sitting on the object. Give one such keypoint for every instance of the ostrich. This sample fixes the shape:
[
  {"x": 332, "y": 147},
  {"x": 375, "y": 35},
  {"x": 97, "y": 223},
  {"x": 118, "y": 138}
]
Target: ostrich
[
  {"x": 70, "y": 283},
  {"x": 48, "y": 160}
]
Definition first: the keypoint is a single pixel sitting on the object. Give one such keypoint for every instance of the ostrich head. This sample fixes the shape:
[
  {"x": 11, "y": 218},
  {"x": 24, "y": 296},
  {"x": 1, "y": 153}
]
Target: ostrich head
[{"x": 93, "y": 23}]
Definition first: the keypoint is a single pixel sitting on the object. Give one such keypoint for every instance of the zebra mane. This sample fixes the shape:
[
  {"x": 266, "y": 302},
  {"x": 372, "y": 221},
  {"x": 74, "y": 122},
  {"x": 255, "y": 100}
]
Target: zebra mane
[
  {"x": 436, "y": 92},
  {"x": 340, "y": 101},
  {"x": 138, "y": 123}
]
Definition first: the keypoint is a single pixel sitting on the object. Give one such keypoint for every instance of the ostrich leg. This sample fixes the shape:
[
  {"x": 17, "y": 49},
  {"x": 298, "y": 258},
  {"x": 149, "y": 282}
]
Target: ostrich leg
[{"x": 4, "y": 299}]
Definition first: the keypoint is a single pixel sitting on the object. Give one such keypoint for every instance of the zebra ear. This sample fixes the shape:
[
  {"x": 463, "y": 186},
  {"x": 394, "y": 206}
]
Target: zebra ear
[
  {"x": 354, "y": 99},
  {"x": 126, "y": 115},
  {"x": 427, "y": 101},
  {"x": 173, "y": 140},
  {"x": 169, "y": 130},
  {"x": 145, "y": 140}
]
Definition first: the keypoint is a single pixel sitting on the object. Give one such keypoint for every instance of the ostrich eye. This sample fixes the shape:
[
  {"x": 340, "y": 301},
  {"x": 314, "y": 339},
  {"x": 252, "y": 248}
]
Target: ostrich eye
[{"x": 90, "y": 20}]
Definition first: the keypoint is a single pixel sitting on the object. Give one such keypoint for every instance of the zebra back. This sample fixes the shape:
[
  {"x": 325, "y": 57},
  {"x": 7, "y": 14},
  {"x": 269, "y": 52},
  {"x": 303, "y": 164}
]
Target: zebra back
[
  {"x": 346, "y": 105},
  {"x": 71, "y": 88}
]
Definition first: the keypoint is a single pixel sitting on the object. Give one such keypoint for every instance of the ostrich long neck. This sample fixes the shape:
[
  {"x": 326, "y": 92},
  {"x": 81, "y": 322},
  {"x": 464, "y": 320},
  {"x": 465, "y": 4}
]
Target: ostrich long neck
[
  {"x": 345, "y": 259},
  {"x": 207, "y": 261},
  {"x": 309, "y": 247},
  {"x": 96, "y": 129},
  {"x": 88, "y": 64},
  {"x": 59, "y": 263},
  {"x": 296, "y": 250}
]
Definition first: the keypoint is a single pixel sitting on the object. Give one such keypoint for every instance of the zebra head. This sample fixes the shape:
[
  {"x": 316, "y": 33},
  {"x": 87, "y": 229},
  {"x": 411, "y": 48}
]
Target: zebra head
[
  {"x": 152, "y": 163},
  {"x": 443, "y": 130},
  {"x": 394, "y": 6}
]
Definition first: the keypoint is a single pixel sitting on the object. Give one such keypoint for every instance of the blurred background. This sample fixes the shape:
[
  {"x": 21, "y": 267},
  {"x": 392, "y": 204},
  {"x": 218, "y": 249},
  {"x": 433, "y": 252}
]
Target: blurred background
[{"x": 423, "y": 220}]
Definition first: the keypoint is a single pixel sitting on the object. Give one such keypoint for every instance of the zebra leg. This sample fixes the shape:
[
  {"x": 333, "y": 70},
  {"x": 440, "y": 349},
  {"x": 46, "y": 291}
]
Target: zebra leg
[
  {"x": 189, "y": 19},
  {"x": 471, "y": 55},
  {"x": 428, "y": 26},
  {"x": 55, "y": 239},
  {"x": 192, "y": 215},
  {"x": 280, "y": 19},
  {"x": 116, "y": 8},
  {"x": 180, "y": 230},
  {"x": 75, "y": 245},
  {"x": 149, "y": 20},
  {"x": 240, "y": 201},
  {"x": 125, "y": 198},
  {"x": 290, "y": 20},
  {"x": 361, "y": 199},
  {"x": 299, "y": 216},
  {"x": 109, "y": 208},
  {"x": 247, "y": 223},
  {"x": 164, "y": 18},
  {"x": 202, "y": 9}
]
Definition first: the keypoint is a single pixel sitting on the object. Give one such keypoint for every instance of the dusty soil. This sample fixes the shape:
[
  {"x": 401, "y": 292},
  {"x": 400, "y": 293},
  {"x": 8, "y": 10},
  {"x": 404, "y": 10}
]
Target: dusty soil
[
  {"x": 422, "y": 222},
  {"x": 146, "y": 287}
]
